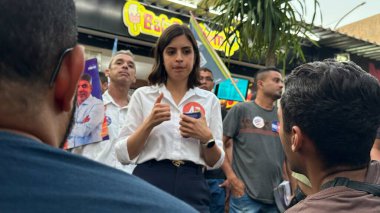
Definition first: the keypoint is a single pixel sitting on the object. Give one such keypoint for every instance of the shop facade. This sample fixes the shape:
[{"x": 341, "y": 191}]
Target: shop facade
[{"x": 137, "y": 25}]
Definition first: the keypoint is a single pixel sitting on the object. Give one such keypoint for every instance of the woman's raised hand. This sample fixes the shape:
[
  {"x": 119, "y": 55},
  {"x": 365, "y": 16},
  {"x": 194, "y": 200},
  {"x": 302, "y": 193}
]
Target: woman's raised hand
[{"x": 159, "y": 113}]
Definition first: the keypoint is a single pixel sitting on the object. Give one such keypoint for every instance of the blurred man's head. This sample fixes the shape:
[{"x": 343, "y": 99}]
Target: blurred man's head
[
  {"x": 40, "y": 64},
  {"x": 206, "y": 79},
  {"x": 103, "y": 81},
  {"x": 330, "y": 108},
  {"x": 30, "y": 60},
  {"x": 122, "y": 68},
  {"x": 268, "y": 82},
  {"x": 84, "y": 88}
]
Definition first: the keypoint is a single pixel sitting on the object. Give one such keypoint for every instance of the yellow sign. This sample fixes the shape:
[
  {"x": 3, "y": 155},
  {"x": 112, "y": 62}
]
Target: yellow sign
[
  {"x": 216, "y": 40},
  {"x": 140, "y": 20}
]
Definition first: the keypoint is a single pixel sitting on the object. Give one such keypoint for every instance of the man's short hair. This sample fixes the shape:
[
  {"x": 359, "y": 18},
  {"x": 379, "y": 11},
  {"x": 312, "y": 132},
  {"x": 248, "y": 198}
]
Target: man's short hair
[
  {"x": 260, "y": 75},
  {"x": 34, "y": 34},
  {"x": 336, "y": 105},
  {"x": 86, "y": 77},
  {"x": 102, "y": 77},
  {"x": 205, "y": 69},
  {"x": 125, "y": 52}
]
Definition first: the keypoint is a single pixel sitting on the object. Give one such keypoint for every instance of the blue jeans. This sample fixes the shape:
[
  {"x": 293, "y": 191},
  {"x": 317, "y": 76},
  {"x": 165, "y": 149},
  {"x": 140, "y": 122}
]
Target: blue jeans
[
  {"x": 246, "y": 204},
  {"x": 217, "y": 195}
]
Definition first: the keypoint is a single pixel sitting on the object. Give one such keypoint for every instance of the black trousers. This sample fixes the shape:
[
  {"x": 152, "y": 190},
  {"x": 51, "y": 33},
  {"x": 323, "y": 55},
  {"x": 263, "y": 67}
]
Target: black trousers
[{"x": 185, "y": 182}]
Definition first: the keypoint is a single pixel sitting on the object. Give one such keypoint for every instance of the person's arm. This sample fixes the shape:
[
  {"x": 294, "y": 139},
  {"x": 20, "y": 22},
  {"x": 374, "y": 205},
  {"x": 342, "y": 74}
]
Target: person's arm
[
  {"x": 231, "y": 125},
  {"x": 89, "y": 122},
  {"x": 197, "y": 128},
  {"x": 203, "y": 131},
  {"x": 136, "y": 141},
  {"x": 214, "y": 154},
  {"x": 237, "y": 186},
  {"x": 375, "y": 151}
]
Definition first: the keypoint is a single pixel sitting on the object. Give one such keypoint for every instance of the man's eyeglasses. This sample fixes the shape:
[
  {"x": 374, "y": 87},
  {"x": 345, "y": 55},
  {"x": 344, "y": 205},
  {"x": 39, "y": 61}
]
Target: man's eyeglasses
[
  {"x": 58, "y": 67},
  {"x": 207, "y": 79},
  {"x": 83, "y": 86}
]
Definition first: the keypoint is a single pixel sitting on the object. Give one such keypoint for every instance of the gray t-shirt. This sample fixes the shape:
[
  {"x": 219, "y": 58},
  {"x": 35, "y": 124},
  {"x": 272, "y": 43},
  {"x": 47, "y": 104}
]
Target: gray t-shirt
[{"x": 257, "y": 151}]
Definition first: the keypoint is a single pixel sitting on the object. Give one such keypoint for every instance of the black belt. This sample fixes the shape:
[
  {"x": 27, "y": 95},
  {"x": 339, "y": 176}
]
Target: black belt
[{"x": 175, "y": 163}]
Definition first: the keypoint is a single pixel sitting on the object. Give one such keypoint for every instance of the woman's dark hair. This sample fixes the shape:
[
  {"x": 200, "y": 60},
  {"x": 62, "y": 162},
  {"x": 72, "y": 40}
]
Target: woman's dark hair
[{"x": 158, "y": 74}]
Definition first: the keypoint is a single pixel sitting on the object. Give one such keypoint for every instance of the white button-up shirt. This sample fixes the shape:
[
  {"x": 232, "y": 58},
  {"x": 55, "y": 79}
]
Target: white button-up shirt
[
  {"x": 165, "y": 140},
  {"x": 104, "y": 151}
]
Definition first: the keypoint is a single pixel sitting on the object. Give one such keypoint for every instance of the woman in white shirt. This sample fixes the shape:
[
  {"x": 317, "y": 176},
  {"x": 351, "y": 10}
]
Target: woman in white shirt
[{"x": 170, "y": 148}]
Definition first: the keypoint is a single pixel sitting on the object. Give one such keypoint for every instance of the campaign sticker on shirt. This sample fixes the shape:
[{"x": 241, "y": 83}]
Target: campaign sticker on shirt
[
  {"x": 258, "y": 122},
  {"x": 109, "y": 120},
  {"x": 193, "y": 107},
  {"x": 275, "y": 126}
]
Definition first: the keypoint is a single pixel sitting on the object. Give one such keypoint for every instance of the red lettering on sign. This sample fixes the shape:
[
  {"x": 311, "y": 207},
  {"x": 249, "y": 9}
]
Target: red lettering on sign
[{"x": 148, "y": 21}]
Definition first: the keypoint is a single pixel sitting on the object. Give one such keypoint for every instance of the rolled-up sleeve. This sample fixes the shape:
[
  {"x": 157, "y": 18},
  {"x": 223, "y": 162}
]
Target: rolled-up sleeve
[
  {"x": 121, "y": 150},
  {"x": 134, "y": 118},
  {"x": 216, "y": 126}
]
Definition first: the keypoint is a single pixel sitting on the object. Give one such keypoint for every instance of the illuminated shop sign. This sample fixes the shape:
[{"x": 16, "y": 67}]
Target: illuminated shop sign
[{"x": 139, "y": 20}]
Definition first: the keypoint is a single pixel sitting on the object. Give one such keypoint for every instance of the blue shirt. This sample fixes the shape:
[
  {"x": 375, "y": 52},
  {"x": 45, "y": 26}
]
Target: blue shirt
[{"x": 36, "y": 177}]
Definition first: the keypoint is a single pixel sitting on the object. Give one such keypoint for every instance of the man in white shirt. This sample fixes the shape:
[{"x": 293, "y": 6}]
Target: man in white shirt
[
  {"x": 88, "y": 116},
  {"x": 122, "y": 74}
]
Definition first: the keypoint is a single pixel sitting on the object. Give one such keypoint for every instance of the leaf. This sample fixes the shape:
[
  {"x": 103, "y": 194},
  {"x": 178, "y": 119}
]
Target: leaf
[{"x": 266, "y": 26}]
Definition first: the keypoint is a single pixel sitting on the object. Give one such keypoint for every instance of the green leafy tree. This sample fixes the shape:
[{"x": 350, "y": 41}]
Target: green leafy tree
[{"x": 268, "y": 30}]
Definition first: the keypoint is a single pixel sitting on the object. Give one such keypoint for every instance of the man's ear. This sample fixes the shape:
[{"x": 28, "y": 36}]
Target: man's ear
[
  {"x": 107, "y": 72},
  {"x": 134, "y": 78},
  {"x": 260, "y": 83},
  {"x": 296, "y": 139},
  {"x": 68, "y": 77}
]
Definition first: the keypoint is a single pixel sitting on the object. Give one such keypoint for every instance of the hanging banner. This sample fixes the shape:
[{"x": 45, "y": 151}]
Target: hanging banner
[
  {"x": 90, "y": 124},
  {"x": 210, "y": 59}
]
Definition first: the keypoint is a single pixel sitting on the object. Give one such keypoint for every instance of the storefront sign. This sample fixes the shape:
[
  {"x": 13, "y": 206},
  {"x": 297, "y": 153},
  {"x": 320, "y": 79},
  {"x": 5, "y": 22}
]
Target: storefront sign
[{"x": 139, "y": 20}]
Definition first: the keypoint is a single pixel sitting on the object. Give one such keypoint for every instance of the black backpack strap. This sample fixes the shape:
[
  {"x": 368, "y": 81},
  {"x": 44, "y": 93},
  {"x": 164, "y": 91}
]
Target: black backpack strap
[
  {"x": 360, "y": 186},
  {"x": 298, "y": 196}
]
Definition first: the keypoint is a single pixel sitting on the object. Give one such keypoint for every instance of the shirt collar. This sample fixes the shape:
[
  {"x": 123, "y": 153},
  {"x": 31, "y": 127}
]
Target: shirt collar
[
  {"x": 161, "y": 88},
  {"x": 87, "y": 101},
  {"x": 107, "y": 99}
]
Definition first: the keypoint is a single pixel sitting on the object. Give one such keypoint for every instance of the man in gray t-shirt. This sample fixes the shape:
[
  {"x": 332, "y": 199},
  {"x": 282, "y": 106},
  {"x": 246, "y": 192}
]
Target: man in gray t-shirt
[{"x": 256, "y": 149}]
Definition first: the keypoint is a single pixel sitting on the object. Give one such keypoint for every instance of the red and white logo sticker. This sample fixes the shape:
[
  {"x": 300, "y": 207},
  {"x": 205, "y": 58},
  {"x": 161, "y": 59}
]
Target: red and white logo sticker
[{"x": 193, "y": 107}]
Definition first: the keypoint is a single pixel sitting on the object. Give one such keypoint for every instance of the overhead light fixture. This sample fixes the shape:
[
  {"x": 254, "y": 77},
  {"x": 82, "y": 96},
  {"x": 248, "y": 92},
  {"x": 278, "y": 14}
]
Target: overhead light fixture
[
  {"x": 342, "y": 57},
  {"x": 184, "y": 3}
]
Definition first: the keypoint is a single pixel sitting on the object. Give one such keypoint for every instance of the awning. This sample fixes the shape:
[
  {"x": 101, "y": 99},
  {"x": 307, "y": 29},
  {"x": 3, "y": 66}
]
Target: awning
[{"x": 347, "y": 43}]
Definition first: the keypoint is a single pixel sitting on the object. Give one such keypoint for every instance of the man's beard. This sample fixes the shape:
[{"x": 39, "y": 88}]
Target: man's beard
[
  {"x": 70, "y": 124},
  {"x": 275, "y": 97}
]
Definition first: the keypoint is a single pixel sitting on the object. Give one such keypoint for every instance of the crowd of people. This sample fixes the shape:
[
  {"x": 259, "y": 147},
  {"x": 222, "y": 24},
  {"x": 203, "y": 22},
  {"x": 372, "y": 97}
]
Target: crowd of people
[{"x": 173, "y": 148}]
